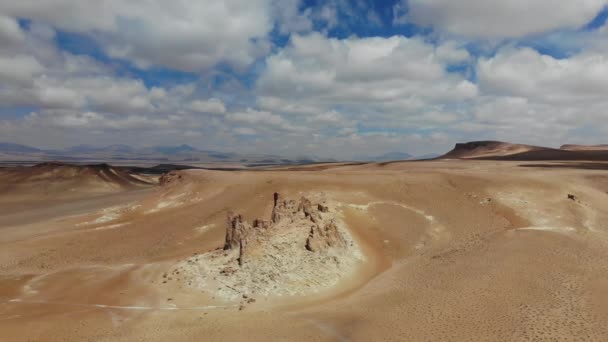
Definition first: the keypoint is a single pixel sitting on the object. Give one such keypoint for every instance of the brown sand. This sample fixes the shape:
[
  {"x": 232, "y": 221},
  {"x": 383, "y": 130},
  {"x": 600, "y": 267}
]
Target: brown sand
[
  {"x": 602, "y": 147},
  {"x": 456, "y": 251}
]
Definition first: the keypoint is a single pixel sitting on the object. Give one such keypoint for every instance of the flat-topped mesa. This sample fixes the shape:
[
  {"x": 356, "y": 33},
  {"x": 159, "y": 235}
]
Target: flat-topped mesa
[{"x": 286, "y": 214}]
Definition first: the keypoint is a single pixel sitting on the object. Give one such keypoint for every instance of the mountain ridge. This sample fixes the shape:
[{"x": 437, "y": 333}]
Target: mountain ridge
[{"x": 157, "y": 153}]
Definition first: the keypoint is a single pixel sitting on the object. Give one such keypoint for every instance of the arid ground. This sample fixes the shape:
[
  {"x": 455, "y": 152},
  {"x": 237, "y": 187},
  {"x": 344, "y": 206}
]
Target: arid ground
[{"x": 450, "y": 250}]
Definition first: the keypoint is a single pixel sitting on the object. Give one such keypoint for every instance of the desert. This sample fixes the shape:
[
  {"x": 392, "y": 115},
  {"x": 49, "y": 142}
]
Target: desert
[
  {"x": 446, "y": 249},
  {"x": 303, "y": 170}
]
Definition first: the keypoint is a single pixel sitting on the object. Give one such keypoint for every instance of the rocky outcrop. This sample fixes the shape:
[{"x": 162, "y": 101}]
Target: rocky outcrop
[
  {"x": 237, "y": 233},
  {"x": 322, "y": 237},
  {"x": 240, "y": 233},
  {"x": 282, "y": 208},
  {"x": 303, "y": 248},
  {"x": 170, "y": 178}
]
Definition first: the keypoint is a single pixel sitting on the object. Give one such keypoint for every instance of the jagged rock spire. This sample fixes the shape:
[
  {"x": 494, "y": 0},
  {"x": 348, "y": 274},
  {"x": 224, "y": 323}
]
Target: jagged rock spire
[{"x": 321, "y": 235}]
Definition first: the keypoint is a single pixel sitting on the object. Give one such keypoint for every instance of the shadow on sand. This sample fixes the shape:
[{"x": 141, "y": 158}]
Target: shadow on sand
[{"x": 580, "y": 166}]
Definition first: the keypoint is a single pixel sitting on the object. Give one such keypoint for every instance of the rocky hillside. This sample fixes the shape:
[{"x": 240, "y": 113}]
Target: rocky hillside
[{"x": 66, "y": 180}]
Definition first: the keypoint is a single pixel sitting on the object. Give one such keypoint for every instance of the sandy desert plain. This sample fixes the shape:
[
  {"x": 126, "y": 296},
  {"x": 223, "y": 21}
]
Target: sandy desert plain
[{"x": 502, "y": 248}]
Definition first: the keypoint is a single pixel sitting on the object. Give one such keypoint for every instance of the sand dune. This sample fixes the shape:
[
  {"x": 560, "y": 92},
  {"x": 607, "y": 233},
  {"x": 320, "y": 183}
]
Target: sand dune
[{"x": 452, "y": 250}]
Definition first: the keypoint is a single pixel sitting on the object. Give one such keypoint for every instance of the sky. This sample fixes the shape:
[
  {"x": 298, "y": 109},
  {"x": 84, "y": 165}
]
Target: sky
[{"x": 334, "y": 78}]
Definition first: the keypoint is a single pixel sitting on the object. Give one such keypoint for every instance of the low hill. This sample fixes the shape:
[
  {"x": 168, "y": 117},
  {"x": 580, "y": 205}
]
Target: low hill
[
  {"x": 66, "y": 180},
  {"x": 105, "y": 173}
]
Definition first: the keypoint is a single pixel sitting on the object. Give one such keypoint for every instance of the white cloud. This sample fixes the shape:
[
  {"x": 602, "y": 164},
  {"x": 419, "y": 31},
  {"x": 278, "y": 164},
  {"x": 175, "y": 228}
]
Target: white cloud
[
  {"x": 10, "y": 32},
  {"x": 19, "y": 68},
  {"x": 450, "y": 52},
  {"x": 368, "y": 80},
  {"x": 76, "y": 93},
  {"x": 328, "y": 117},
  {"x": 263, "y": 120},
  {"x": 74, "y": 119},
  {"x": 213, "y": 106},
  {"x": 36, "y": 73},
  {"x": 183, "y": 35},
  {"x": 318, "y": 95},
  {"x": 78, "y": 16},
  {"x": 534, "y": 98},
  {"x": 328, "y": 14},
  {"x": 312, "y": 64},
  {"x": 290, "y": 18},
  {"x": 497, "y": 19},
  {"x": 581, "y": 79},
  {"x": 244, "y": 131}
]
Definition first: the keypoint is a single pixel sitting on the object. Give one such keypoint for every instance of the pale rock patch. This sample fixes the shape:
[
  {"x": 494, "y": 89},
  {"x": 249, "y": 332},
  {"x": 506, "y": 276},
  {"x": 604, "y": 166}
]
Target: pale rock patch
[{"x": 304, "y": 248}]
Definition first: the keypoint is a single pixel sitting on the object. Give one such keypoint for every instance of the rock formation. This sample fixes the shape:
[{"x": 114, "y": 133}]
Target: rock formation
[
  {"x": 321, "y": 237},
  {"x": 321, "y": 234},
  {"x": 237, "y": 233},
  {"x": 302, "y": 249},
  {"x": 170, "y": 178}
]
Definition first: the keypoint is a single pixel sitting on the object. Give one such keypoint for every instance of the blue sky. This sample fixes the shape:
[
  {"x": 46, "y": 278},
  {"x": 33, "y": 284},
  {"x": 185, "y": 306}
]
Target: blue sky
[{"x": 331, "y": 78}]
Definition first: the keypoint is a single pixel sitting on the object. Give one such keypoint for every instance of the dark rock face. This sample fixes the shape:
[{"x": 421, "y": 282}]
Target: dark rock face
[
  {"x": 464, "y": 149},
  {"x": 476, "y": 144},
  {"x": 170, "y": 178}
]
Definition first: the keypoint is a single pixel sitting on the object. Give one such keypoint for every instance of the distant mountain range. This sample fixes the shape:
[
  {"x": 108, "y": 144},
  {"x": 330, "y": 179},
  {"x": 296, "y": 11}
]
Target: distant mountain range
[
  {"x": 16, "y": 148},
  {"x": 392, "y": 156},
  {"x": 167, "y": 154},
  {"x": 125, "y": 153}
]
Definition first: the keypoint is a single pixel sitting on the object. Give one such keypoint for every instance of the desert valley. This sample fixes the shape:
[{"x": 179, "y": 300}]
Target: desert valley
[
  {"x": 303, "y": 170},
  {"x": 490, "y": 242}
]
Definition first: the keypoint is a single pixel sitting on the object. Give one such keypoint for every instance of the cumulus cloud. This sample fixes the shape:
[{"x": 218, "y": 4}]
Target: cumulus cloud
[
  {"x": 524, "y": 72},
  {"x": 213, "y": 106},
  {"x": 94, "y": 120},
  {"x": 183, "y": 35},
  {"x": 10, "y": 32},
  {"x": 75, "y": 93},
  {"x": 383, "y": 79},
  {"x": 19, "y": 68},
  {"x": 497, "y": 19},
  {"x": 290, "y": 18},
  {"x": 244, "y": 131},
  {"x": 263, "y": 120},
  {"x": 535, "y": 98},
  {"x": 317, "y": 94}
]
